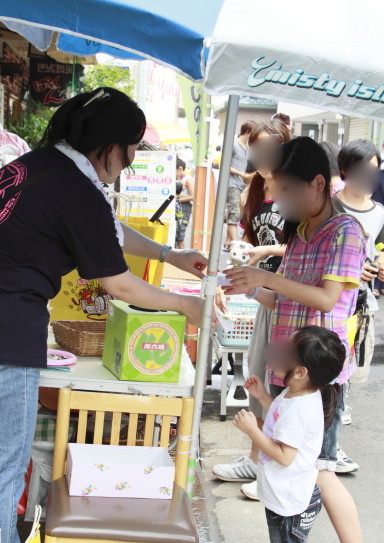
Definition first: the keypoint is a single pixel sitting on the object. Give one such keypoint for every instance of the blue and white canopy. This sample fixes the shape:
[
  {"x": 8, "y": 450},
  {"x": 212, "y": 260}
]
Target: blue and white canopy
[{"x": 328, "y": 55}]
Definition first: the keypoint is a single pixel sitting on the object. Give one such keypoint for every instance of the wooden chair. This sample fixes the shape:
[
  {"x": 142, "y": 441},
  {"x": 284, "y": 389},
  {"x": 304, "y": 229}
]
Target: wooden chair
[{"x": 95, "y": 519}]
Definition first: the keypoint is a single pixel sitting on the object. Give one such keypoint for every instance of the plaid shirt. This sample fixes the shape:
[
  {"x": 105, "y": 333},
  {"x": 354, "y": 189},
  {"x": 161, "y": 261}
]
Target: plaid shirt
[{"x": 336, "y": 252}]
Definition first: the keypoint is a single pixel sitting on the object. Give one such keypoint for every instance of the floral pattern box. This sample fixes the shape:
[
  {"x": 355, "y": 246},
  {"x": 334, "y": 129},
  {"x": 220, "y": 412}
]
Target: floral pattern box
[{"x": 110, "y": 471}]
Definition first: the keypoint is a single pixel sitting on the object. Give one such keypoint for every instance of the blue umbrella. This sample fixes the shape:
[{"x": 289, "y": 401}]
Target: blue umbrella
[{"x": 159, "y": 30}]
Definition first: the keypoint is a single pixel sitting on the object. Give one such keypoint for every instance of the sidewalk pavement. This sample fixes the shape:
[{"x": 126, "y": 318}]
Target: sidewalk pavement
[{"x": 235, "y": 519}]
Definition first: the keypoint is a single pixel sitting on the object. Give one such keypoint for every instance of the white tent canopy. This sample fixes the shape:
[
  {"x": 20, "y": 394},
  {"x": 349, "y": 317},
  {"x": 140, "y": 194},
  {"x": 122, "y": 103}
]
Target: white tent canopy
[{"x": 328, "y": 56}]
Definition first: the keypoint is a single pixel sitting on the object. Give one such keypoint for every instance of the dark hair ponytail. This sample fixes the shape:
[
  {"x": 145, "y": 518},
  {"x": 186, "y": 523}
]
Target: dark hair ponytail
[
  {"x": 323, "y": 354},
  {"x": 94, "y": 121},
  {"x": 301, "y": 160},
  {"x": 330, "y": 396}
]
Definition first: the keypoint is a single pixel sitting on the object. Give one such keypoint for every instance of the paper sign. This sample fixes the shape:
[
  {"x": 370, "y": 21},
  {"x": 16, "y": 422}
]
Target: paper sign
[
  {"x": 153, "y": 181},
  {"x": 223, "y": 281}
]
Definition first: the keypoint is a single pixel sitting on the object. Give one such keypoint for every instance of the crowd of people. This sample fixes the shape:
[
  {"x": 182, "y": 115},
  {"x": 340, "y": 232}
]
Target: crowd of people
[{"x": 310, "y": 212}]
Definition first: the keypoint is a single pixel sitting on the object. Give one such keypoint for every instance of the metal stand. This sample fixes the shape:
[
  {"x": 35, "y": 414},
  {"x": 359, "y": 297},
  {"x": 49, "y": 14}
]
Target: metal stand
[{"x": 228, "y": 397}]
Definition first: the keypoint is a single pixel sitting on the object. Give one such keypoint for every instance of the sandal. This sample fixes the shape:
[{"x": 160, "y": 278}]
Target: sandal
[{"x": 226, "y": 248}]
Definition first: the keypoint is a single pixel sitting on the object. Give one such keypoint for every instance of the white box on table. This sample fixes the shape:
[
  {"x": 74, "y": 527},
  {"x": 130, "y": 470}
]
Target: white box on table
[{"x": 112, "y": 470}]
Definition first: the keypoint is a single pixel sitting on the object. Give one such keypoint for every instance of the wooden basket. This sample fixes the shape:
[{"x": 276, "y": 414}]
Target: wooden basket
[{"x": 82, "y": 338}]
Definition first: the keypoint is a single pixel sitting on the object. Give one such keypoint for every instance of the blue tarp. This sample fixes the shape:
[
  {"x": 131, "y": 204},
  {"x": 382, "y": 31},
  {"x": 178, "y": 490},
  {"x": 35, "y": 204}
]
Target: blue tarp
[{"x": 168, "y": 31}]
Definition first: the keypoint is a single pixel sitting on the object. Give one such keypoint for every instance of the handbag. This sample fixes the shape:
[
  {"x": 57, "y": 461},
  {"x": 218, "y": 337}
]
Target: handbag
[
  {"x": 34, "y": 536},
  {"x": 362, "y": 318}
]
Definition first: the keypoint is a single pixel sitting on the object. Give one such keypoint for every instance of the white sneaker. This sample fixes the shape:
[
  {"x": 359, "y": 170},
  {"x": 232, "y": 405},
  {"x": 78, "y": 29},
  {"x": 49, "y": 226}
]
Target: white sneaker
[
  {"x": 344, "y": 463},
  {"x": 242, "y": 469},
  {"x": 346, "y": 417},
  {"x": 250, "y": 491}
]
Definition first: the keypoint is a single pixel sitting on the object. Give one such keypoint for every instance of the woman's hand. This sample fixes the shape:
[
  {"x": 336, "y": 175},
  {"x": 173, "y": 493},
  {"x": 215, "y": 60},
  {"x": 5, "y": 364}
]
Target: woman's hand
[
  {"x": 244, "y": 279},
  {"x": 246, "y": 422},
  {"x": 255, "y": 387},
  {"x": 256, "y": 254},
  {"x": 220, "y": 300},
  {"x": 193, "y": 309},
  {"x": 188, "y": 260},
  {"x": 369, "y": 272},
  {"x": 380, "y": 263}
]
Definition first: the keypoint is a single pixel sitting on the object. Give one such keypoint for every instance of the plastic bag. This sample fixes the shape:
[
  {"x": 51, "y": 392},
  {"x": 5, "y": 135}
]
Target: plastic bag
[{"x": 34, "y": 536}]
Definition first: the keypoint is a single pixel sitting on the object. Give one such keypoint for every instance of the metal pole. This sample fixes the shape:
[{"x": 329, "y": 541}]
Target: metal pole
[
  {"x": 207, "y": 176},
  {"x": 213, "y": 264}
]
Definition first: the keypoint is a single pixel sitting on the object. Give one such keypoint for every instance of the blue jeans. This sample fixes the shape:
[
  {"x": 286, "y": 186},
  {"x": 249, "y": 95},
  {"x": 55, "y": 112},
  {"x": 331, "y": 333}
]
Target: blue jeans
[
  {"x": 328, "y": 455},
  {"x": 18, "y": 410},
  {"x": 294, "y": 529}
]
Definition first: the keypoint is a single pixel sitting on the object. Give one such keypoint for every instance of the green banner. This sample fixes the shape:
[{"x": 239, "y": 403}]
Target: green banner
[{"x": 195, "y": 105}]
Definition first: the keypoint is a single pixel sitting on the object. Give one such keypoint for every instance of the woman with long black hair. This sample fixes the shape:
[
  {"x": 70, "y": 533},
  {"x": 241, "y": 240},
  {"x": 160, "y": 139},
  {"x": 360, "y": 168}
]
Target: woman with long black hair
[
  {"x": 263, "y": 228},
  {"x": 54, "y": 218}
]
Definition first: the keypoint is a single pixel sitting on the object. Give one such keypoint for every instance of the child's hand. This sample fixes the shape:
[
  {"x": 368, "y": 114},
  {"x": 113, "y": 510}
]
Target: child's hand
[
  {"x": 220, "y": 300},
  {"x": 246, "y": 277},
  {"x": 245, "y": 421},
  {"x": 255, "y": 387},
  {"x": 256, "y": 254}
]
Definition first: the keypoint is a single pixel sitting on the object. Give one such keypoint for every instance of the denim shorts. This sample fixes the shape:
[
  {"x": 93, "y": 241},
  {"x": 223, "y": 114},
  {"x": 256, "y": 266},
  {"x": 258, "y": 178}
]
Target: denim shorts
[
  {"x": 294, "y": 529},
  {"x": 328, "y": 455}
]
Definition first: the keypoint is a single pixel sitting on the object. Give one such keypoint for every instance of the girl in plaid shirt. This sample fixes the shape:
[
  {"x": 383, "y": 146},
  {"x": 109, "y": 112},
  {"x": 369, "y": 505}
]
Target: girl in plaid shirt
[{"x": 316, "y": 284}]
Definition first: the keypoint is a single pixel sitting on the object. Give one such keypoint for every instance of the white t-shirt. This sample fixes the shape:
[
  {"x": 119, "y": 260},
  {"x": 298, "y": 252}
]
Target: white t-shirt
[
  {"x": 372, "y": 220},
  {"x": 299, "y": 423}
]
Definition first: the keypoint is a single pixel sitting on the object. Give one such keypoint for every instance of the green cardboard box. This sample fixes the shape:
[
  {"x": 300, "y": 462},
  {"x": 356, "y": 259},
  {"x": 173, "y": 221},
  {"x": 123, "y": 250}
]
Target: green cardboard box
[{"x": 143, "y": 345}]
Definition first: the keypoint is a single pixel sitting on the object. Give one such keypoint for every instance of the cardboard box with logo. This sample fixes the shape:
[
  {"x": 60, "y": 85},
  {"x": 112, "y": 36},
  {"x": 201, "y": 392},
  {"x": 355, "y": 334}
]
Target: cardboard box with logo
[{"x": 143, "y": 345}]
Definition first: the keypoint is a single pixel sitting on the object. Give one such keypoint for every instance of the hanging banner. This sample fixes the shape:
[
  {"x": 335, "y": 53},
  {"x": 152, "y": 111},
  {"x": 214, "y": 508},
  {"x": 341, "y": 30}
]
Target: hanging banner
[
  {"x": 153, "y": 181},
  {"x": 50, "y": 81},
  {"x": 195, "y": 105}
]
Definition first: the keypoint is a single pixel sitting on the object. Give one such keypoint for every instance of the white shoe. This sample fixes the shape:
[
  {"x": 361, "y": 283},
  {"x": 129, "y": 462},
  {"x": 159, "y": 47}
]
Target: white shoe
[
  {"x": 250, "y": 491},
  {"x": 346, "y": 417},
  {"x": 241, "y": 470},
  {"x": 344, "y": 463}
]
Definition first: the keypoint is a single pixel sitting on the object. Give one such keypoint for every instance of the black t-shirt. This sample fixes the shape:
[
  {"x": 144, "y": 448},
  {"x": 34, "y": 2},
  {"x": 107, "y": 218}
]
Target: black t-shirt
[
  {"x": 267, "y": 226},
  {"x": 51, "y": 227}
]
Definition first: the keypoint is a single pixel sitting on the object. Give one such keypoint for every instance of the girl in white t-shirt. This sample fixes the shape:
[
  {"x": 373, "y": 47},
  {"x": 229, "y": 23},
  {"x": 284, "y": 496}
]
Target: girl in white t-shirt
[{"x": 292, "y": 435}]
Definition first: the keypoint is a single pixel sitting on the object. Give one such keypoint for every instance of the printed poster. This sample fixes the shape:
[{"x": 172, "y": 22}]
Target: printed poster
[{"x": 152, "y": 181}]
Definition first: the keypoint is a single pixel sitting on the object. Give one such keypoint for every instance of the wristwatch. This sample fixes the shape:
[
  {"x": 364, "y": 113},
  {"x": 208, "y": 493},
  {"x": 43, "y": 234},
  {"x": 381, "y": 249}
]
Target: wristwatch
[{"x": 164, "y": 251}]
